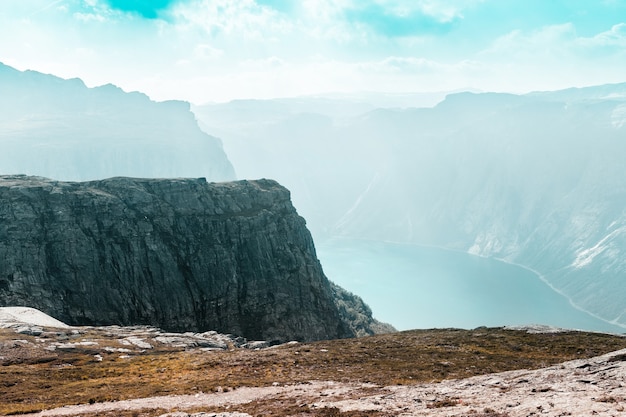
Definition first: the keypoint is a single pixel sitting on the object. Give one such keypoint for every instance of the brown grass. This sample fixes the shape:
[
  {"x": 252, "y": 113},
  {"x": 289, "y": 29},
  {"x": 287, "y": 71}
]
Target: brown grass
[
  {"x": 446, "y": 402},
  {"x": 34, "y": 379}
]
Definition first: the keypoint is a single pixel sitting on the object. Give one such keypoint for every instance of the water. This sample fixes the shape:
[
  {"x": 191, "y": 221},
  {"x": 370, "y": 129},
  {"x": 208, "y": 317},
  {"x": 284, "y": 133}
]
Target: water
[{"x": 415, "y": 287}]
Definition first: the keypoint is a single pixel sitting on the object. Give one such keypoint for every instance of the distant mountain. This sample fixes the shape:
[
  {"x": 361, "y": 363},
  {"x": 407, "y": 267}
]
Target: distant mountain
[
  {"x": 61, "y": 129},
  {"x": 240, "y": 114},
  {"x": 600, "y": 92},
  {"x": 535, "y": 179}
]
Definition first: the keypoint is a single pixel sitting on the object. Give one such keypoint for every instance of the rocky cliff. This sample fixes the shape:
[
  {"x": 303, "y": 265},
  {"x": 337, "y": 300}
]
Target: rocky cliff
[{"x": 181, "y": 254}]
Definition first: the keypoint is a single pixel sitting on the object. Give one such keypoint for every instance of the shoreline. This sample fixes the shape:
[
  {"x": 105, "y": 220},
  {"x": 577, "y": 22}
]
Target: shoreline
[{"x": 539, "y": 275}]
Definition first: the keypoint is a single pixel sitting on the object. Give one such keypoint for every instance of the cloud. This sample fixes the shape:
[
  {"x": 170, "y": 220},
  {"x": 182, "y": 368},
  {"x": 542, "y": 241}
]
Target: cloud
[
  {"x": 342, "y": 21},
  {"x": 89, "y": 17},
  {"x": 205, "y": 52},
  {"x": 615, "y": 37},
  {"x": 408, "y": 73},
  {"x": 392, "y": 24},
  {"x": 48, "y": 6},
  {"x": 243, "y": 18},
  {"x": 383, "y": 18},
  {"x": 148, "y": 9},
  {"x": 276, "y": 77},
  {"x": 554, "y": 57},
  {"x": 285, "y": 6},
  {"x": 558, "y": 44},
  {"x": 395, "y": 64},
  {"x": 265, "y": 64},
  {"x": 546, "y": 40}
]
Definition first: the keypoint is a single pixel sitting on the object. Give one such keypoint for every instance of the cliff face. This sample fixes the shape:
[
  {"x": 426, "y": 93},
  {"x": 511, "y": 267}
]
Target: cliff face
[{"x": 181, "y": 254}]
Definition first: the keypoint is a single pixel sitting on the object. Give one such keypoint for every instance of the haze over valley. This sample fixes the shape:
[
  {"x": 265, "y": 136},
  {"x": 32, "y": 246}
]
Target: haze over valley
[{"x": 531, "y": 179}]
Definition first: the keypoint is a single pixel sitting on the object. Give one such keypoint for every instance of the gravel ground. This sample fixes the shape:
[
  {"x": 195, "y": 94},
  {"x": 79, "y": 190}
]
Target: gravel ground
[{"x": 579, "y": 388}]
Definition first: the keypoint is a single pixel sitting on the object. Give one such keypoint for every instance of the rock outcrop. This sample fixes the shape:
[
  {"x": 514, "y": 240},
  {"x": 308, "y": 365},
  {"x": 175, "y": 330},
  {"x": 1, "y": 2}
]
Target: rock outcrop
[
  {"x": 180, "y": 254},
  {"x": 358, "y": 315}
]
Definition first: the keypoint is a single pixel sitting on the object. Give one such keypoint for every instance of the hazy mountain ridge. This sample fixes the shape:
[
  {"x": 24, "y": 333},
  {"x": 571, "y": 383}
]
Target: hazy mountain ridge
[
  {"x": 534, "y": 179},
  {"x": 61, "y": 129}
]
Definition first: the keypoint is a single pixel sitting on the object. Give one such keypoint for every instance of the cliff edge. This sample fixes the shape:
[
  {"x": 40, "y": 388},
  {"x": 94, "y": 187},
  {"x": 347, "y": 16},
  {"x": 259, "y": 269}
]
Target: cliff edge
[{"x": 181, "y": 254}]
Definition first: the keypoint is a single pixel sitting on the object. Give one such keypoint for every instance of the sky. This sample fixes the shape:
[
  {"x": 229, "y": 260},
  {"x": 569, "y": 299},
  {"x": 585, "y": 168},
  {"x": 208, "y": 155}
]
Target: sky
[{"x": 218, "y": 50}]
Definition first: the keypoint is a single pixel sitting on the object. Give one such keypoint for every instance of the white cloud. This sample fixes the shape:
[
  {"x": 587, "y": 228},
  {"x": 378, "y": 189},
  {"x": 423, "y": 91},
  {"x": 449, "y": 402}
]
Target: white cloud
[
  {"x": 325, "y": 11},
  {"x": 547, "y": 40},
  {"x": 442, "y": 10},
  {"x": 412, "y": 66},
  {"x": 395, "y": 64},
  {"x": 616, "y": 36},
  {"x": 554, "y": 42},
  {"x": 49, "y": 5},
  {"x": 89, "y": 17},
  {"x": 264, "y": 64},
  {"x": 242, "y": 18},
  {"x": 205, "y": 52},
  {"x": 554, "y": 57}
]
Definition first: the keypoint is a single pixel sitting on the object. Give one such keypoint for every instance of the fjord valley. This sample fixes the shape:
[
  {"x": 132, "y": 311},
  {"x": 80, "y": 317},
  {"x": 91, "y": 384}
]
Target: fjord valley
[
  {"x": 534, "y": 180},
  {"x": 461, "y": 176}
]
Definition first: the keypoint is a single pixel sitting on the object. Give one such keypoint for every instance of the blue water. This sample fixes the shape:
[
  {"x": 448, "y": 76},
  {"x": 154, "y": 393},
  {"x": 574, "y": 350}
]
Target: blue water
[{"x": 415, "y": 287}]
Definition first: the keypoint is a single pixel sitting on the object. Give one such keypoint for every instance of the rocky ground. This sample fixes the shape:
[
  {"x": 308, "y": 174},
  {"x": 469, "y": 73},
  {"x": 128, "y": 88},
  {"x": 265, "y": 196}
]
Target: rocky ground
[
  {"x": 142, "y": 371},
  {"x": 583, "y": 387}
]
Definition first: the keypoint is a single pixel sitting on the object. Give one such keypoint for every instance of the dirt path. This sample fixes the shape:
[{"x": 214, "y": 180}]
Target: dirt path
[{"x": 313, "y": 390}]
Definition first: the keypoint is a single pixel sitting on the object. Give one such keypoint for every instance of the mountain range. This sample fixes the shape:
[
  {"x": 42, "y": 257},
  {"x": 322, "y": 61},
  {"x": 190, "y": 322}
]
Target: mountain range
[
  {"x": 62, "y": 129},
  {"x": 535, "y": 179}
]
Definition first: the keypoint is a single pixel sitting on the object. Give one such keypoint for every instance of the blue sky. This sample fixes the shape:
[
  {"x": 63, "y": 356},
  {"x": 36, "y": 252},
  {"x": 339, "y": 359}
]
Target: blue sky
[{"x": 216, "y": 50}]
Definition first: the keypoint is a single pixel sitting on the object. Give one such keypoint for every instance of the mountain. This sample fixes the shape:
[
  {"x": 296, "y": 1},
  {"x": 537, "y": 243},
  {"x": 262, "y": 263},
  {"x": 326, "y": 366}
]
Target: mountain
[
  {"x": 534, "y": 179},
  {"x": 61, "y": 129},
  {"x": 180, "y": 254}
]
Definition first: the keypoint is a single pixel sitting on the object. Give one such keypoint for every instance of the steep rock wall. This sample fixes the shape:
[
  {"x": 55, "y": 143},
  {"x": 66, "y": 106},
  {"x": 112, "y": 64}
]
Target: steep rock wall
[{"x": 182, "y": 254}]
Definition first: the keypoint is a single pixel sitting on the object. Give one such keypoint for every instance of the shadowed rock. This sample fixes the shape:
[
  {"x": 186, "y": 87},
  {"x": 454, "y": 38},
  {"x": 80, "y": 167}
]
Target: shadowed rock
[{"x": 181, "y": 254}]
